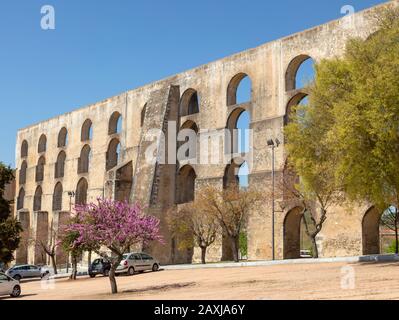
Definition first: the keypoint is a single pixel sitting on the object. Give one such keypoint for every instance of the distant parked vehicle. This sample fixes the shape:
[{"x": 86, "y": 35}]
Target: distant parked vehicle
[
  {"x": 9, "y": 286},
  {"x": 137, "y": 262},
  {"x": 24, "y": 272},
  {"x": 100, "y": 266}
]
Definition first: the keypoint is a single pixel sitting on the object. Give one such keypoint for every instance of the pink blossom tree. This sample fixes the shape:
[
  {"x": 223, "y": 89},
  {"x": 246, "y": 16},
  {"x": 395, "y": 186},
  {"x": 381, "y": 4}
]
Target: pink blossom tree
[{"x": 115, "y": 225}]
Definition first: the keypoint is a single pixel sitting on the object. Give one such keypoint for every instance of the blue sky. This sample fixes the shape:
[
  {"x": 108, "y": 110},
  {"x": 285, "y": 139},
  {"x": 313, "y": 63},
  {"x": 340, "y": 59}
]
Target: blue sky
[{"x": 102, "y": 48}]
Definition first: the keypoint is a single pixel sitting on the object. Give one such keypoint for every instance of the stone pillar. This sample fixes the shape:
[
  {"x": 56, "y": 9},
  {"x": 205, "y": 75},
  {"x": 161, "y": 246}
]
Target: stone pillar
[
  {"x": 22, "y": 251},
  {"x": 41, "y": 233}
]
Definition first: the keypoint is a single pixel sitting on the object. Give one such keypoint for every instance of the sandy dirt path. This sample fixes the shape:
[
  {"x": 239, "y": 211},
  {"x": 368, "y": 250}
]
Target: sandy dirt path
[{"x": 315, "y": 281}]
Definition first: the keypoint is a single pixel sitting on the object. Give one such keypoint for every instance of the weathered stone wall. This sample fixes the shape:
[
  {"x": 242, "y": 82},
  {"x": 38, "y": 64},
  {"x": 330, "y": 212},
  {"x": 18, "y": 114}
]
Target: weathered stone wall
[{"x": 270, "y": 67}]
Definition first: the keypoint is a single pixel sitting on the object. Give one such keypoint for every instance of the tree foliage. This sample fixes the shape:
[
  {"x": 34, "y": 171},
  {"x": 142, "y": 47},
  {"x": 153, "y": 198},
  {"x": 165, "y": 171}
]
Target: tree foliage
[
  {"x": 10, "y": 228},
  {"x": 115, "y": 225},
  {"x": 193, "y": 225},
  {"x": 230, "y": 208},
  {"x": 346, "y": 141}
]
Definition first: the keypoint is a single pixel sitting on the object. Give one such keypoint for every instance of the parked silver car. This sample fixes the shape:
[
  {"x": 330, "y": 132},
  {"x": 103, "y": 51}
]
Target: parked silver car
[
  {"x": 9, "y": 286},
  {"x": 24, "y": 271},
  {"x": 137, "y": 262}
]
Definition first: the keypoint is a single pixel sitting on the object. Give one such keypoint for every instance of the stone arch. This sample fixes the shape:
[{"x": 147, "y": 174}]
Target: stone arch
[
  {"x": 60, "y": 165},
  {"x": 185, "y": 191},
  {"x": 291, "y": 82},
  {"x": 42, "y": 146},
  {"x": 142, "y": 115},
  {"x": 233, "y": 140},
  {"x": 189, "y": 153},
  {"x": 87, "y": 131},
  {"x": 57, "y": 197},
  {"x": 24, "y": 149},
  {"x": 115, "y": 123},
  {"x": 40, "y": 169},
  {"x": 37, "y": 199},
  {"x": 63, "y": 138},
  {"x": 84, "y": 160},
  {"x": 81, "y": 191},
  {"x": 113, "y": 154},
  {"x": 21, "y": 199},
  {"x": 292, "y": 233},
  {"x": 231, "y": 177},
  {"x": 189, "y": 103},
  {"x": 22, "y": 172},
  {"x": 233, "y": 87},
  {"x": 294, "y": 101},
  {"x": 371, "y": 231}
]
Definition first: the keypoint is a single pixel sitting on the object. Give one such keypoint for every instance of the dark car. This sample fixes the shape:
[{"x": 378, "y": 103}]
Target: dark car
[{"x": 100, "y": 266}]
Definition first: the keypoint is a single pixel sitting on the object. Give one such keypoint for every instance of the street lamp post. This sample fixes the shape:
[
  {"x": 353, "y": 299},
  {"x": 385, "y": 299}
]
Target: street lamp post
[{"x": 273, "y": 144}]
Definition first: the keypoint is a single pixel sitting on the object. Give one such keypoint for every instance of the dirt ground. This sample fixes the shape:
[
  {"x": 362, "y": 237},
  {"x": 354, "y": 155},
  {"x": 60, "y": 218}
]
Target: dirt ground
[{"x": 316, "y": 281}]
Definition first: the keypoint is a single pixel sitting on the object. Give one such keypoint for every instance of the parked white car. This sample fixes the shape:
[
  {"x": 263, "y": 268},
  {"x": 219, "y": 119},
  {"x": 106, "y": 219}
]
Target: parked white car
[
  {"x": 137, "y": 262},
  {"x": 9, "y": 286}
]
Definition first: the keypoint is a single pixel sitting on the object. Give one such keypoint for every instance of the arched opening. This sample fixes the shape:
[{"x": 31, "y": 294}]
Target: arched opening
[
  {"x": 60, "y": 165},
  {"x": 84, "y": 160},
  {"x": 42, "y": 146},
  {"x": 371, "y": 231},
  {"x": 187, "y": 141},
  {"x": 238, "y": 125},
  {"x": 40, "y": 169},
  {"x": 81, "y": 192},
  {"x": 24, "y": 149},
  {"x": 297, "y": 244},
  {"x": 63, "y": 138},
  {"x": 37, "y": 199},
  {"x": 87, "y": 131},
  {"x": 239, "y": 90},
  {"x": 113, "y": 154},
  {"x": 189, "y": 103},
  {"x": 185, "y": 191},
  {"x": 21, "y": 199},
  {"x": 378, "y": 231},
  {"x": 299, "y": 99},
  {"x": 300, "y": 73},
  {"x": 22, "y": 172},
  {"x": 143, "y": 113},
  {"x": 57, "y": 197},
  {"x": 236, "y": 175},
  {"x": 115, "y": 123}
]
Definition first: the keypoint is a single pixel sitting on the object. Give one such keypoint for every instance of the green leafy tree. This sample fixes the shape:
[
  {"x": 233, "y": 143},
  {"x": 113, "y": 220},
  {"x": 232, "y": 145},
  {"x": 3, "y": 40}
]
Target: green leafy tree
[
  {"x": 365, "y": 135},
  {"x": 346, "y": 141},
  {"x": 10, "y": 228}
]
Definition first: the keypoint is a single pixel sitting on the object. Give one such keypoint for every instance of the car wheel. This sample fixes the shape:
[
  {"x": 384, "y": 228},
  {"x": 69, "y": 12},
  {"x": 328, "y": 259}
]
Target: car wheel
[
  {"x": 130, "y": 272},
  {"x": 106, "y": 273},
  {"x": 92, "y": 275},
  {"x": 17, "y": 277},
  {"x": 16, "y": 292},
  {"x": 155, "y": 267}
]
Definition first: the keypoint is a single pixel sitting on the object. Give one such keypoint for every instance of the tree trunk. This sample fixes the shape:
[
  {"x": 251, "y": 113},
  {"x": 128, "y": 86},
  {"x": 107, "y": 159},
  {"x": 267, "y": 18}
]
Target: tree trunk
[
  {"x": 234, "y": 248},
  {"x": 74, "y": 268},
  {"x": 203, "y": 255},
  {"x": 89, "y": 260},
  {"x": 112, "y": 279},
  {"x": 315, "y": 250},
  {"x": 396, "y": 239},
  {"x": 52, "y": 257}
]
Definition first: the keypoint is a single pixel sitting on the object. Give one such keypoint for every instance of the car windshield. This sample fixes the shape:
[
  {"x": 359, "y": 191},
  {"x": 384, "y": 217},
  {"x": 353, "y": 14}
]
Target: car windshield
[{"x": 125, "y": 256}]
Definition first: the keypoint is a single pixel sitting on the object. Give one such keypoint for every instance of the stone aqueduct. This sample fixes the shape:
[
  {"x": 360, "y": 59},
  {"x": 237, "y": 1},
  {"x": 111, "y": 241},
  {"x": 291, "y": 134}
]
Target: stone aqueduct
[{"x": 83, "y": 151}]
